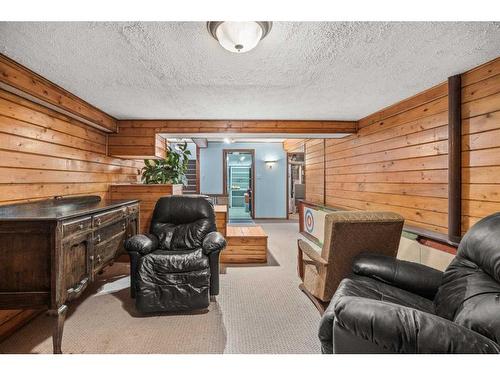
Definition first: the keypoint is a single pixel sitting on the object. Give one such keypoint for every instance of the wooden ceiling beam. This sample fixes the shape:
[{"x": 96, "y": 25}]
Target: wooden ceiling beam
[{"x": 237, "y": 126}]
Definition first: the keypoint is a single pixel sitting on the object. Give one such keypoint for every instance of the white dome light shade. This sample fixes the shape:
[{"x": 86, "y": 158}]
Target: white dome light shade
[{"x": 239, "y": 37}]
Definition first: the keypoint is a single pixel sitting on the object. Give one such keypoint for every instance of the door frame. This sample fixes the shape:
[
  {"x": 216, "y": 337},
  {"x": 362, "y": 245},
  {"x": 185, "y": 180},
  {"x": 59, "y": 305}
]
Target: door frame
[
  {"x": 227, "y": 151},
  {"x": 288, "y": 153}
]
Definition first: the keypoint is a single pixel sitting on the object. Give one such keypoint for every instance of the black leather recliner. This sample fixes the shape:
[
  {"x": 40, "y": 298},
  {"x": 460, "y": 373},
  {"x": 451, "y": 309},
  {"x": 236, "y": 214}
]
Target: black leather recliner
[
  {"x": 393, "y": 306},
  {"x": 176, "y": 266}
]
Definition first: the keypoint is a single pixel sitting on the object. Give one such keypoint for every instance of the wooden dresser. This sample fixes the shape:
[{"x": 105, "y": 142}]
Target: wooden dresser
[{"x": 51, "y": 250}]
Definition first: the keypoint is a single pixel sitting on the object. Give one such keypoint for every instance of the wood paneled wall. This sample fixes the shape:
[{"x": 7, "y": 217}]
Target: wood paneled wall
[
  {"x": 480, "y": 143},
  {"x": 16, "y": 77},
  {"x": 294, "y": 145},
  {"x": 44, "y": 154},
  {"x": 315, "y": 170},
  {"x": 148, "y": 196},
  {"x": 151, "y": 147},
  {"x": 398, "y": 160}
]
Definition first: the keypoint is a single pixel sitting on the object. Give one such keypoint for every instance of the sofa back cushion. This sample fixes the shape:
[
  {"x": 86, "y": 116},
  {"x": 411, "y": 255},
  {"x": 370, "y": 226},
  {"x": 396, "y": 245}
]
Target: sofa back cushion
[{"x": 470, "y": 292}]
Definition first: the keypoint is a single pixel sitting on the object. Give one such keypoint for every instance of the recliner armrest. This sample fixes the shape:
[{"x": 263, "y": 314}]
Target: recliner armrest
[
  {"x": 311, "y": 253},
  {"x": 213, "y": 242},
  {"x": 405, "y": 330},
  {"x": 142, "y": 243},
  {"x": 413, "y": 277}
]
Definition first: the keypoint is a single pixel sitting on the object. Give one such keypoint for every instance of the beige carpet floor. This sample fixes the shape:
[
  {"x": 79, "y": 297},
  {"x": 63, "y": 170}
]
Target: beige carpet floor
[{"x": 260, "y": 310}]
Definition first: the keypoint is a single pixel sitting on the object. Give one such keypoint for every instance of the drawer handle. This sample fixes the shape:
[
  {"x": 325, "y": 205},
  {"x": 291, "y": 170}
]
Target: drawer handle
[
  {"x": 98, "y": 221},
  {"x": 98, "y": 258},
  {"x": 80, "y": 226},
  {"x": 98, "y": 238},
  {"x": 78, "y": 289},
  {"x": 124, "y": 226}
]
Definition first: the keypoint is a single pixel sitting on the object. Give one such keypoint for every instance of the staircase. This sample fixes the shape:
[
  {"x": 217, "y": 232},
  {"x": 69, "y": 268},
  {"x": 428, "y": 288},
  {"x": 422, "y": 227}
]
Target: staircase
[{"x": 191, "y": 178}]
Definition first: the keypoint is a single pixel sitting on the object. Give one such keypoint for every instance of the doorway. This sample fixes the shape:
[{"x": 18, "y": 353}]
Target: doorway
[
  {"x": 295, "y": 182},
  {"x": 239, "y": 184}
]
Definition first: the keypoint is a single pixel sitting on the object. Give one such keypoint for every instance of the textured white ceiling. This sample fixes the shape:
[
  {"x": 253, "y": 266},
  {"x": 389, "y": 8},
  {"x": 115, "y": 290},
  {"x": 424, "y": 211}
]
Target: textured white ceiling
[{"x": 301, "y": 70}]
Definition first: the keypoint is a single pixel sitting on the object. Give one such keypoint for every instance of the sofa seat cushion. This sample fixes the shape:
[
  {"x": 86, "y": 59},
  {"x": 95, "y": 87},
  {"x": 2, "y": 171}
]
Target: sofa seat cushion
[
  {"x": 161, "y": 262},
  {"x": 365, "y": 287}
]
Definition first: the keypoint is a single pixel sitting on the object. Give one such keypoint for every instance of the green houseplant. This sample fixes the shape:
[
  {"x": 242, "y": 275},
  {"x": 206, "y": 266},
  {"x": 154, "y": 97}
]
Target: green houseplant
[{"x": 170, "y": 170}]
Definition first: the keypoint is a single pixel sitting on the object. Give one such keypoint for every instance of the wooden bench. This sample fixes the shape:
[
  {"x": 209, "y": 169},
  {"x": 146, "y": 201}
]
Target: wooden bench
[{"x": 245, "y": 245}]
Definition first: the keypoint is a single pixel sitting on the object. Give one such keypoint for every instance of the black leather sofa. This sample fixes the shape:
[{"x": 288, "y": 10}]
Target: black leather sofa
[
  {"x": 393, "y": 306},
  {"x": 175, "y": 267}
]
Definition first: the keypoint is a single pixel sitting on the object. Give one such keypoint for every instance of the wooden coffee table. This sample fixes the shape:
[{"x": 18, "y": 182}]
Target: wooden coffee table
[{"x": 245, "y": 244}]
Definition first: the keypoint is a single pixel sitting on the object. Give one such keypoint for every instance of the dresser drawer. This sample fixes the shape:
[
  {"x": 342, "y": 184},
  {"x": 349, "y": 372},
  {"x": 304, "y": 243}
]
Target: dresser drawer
[
  {"x": 107, "y": 248},
  {"x": 109, "y": 217},
  {"x": 106, "y": 251},
  {"x": 105, "y": 233},
  {"x": 75, "y": 227}
]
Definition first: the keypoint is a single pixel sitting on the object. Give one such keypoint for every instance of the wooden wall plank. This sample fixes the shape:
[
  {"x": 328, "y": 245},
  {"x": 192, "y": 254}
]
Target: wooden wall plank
[
  {"x": 480, "y": 143},
  {"x": 27, "y": 81},
  {"x": 481, "y": 72},
  {"x": 315, "y": 170},
  {"x": 294, "y": 145},
  {"x": 148, "y": 195},
  {"x": 405, "y": 105},
  {"x": 15, "y": 107},
  {"x": 151, "y": 147}
]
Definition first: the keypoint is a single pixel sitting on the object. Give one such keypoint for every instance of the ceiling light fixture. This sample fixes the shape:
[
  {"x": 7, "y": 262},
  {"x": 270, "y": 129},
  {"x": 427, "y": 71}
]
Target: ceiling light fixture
[{"x": 239, "y": 37}]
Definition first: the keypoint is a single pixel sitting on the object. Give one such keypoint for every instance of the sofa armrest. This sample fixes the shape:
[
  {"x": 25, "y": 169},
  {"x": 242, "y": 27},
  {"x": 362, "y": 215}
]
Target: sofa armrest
[
  {"x": 325, "y": 333},
  {"x": 311, "y": 253},
  {"x": 413, "y": 277},
  {"x": 141, "y": 243},
  {"x": 401, "y": 329},
  {"x": 213, "y": 242}
]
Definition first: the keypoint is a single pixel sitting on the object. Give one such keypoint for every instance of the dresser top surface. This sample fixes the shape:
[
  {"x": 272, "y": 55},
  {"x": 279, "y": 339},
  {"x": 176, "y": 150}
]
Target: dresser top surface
[{"x": 60, "y": 208}]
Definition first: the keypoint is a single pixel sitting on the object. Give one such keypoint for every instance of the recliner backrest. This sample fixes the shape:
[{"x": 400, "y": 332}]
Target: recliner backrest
[
  {"x": 470, "y": 292},
  {"x": 349, "y": 233},
  {"x": 182, "y": 222}
]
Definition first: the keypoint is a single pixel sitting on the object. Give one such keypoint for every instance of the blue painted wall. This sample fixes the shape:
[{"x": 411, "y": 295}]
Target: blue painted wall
[{"x": 270, "y": 188}]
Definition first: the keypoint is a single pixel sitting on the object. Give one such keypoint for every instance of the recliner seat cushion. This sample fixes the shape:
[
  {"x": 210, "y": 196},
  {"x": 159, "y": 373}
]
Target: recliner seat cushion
[
  {"x": 173, "y": 281},
  {"x": 365, "y": 287},
  {"x": 176, "y": 292},
  {"x": 161, "y": 262}
]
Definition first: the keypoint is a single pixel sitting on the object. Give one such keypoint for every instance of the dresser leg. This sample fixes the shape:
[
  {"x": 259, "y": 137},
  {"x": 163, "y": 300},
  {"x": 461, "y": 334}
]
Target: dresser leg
[{"x": 58, "y": 316}]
